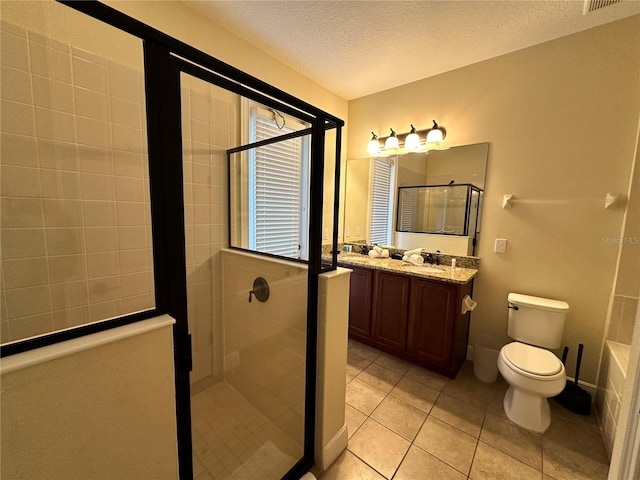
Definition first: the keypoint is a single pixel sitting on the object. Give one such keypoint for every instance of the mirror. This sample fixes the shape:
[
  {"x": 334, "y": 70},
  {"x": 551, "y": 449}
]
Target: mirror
[{"x": 465, "y": 164}]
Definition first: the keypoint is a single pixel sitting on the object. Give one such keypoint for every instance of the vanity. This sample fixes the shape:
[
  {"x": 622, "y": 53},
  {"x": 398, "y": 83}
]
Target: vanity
[
  {"x": 411, "y": 312},
  {"x": 434, "y": 203}
]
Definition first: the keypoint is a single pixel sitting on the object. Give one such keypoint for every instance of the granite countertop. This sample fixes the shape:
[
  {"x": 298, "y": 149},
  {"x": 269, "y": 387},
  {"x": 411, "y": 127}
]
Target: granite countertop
[{"x": 444, "y": 273}]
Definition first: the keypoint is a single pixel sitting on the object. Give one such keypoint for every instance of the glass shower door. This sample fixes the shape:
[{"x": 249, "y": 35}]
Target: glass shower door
[{"x": 249, "y": 349}]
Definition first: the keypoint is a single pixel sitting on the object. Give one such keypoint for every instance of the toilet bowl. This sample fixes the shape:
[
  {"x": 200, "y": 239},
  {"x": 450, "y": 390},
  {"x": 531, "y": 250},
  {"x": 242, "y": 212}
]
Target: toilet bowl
[{"x": 533, "y": 374}]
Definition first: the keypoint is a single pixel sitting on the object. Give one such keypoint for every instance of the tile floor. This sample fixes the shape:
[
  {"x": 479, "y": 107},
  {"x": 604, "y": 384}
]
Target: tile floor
[
  {"x": 233, "y": 440},
  {"x": 407, "y": 423}
]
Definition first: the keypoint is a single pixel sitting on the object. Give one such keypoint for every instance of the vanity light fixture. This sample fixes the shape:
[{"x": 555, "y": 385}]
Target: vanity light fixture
[
  {"x": 412, "y": 141},
  {"x": 436, "y": 134},
  {"x": 415, "y": 140},
  {"x": 392, "y": 141},
  {"x": 374, "y": 144}
]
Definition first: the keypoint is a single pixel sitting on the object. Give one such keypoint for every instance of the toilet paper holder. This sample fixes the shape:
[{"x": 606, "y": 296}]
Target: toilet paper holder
[{"x": 467, "y": 304}]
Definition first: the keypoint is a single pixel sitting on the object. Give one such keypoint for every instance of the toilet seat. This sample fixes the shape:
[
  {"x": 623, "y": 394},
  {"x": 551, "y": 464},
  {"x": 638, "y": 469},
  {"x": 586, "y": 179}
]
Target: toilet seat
[{"x": 531, "y": 361}]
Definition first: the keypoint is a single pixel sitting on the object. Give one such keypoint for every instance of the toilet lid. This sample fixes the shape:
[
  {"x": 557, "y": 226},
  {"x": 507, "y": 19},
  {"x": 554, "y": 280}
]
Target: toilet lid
[{"x": 534, "y": 360}]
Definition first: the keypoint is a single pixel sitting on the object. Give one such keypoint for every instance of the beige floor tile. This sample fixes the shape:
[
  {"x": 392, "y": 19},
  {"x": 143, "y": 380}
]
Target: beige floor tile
[
  {"x": 466, "y": 387},
  {"x": 356, "y": 364},
  {"x": 507, "y": 437},
  {"x": 400, "y": 417},
  {"x": 490, "y": 463},
  {"x": 364, "y": 351},
  {"x": 575, "y": 432},
  {"x": 363, "y": 396},
  {"x": 418, "y": 464},
  {"x": 393, "y": 363},
  {"x": 348, "y": 466},
  {"x": 354, "y": 419},
  {"x": 447, "y": 443},
  {"x": 380, "y": 377},
  {"x": 381, "y": 448},
  {"x": 458, "y": 414},
  {"x": 427, "y": 377},
  {"x": 565, "y": 463},
  {"x": 415, "y": 394},
  {"x": 349, "y": 377}
]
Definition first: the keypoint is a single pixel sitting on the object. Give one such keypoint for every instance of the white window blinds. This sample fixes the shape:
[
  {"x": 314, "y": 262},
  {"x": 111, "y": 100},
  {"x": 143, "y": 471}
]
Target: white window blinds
[
  {"x": 379, "y": 220},
  {"x": 276, "y": 190}
]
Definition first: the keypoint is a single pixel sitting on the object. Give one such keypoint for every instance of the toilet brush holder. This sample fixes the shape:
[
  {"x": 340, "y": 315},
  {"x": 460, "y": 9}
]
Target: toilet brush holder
[{"x": 573, "y": 397}]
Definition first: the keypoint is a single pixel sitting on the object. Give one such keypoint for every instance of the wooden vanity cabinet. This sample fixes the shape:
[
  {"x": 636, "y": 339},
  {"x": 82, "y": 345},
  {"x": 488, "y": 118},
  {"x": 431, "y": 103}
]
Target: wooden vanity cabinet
[
  {"x": 390, "y": 310},
  {"x": 413, "y": 318},
  {"x": 360, "y": 303}
]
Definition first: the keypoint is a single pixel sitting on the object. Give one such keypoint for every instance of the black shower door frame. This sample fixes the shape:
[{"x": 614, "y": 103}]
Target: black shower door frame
[{"x": 164, "y": 59}]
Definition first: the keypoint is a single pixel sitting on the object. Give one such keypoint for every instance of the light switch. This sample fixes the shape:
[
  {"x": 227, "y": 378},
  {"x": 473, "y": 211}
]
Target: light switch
[
  {"x": 347, "y": 231},
  {"x": 500, "y": 246},
  {"x": 325, "y": 234}
]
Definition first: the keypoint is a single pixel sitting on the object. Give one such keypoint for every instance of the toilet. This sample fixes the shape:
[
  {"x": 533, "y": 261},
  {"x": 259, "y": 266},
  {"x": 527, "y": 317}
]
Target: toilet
[{"x": 533, "y": 373}]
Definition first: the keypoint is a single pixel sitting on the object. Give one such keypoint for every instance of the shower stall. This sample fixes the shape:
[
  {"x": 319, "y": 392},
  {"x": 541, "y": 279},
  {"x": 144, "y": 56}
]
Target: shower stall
[{"x": 140, "y": 177}]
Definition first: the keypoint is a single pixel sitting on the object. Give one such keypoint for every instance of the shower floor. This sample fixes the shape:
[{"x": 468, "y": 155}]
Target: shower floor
[{"x": 233, "y": 440}]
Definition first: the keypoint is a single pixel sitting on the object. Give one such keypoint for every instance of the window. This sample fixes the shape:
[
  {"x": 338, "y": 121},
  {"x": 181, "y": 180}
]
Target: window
[
  {"x": 382, "y": 171},
  {"x": 278, "y": 203}
]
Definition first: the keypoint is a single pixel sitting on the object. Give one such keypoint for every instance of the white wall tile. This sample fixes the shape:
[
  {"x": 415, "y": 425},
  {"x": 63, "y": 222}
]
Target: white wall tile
[
  {"x": 99, "y": 214},
  {"x": 24, "y": 302},
  {"x": 69, "y": 295},
  {"x": 103, "y": 264},
  {"x": 89, "y": 75},
  {"x": 50, "y": 62},
  {"x": 58, "y": 155},
  {"x": 17, "y": 118},
  {"x": 67, "y": 268},
  {"x": 22, "y": 212},
  {"x": 14, "y": 51},
  {"x": 92, "y": 104},
  {"x": 64, "y": 241},
  {"x": 25, "y": 272},
  {"x": 101, "y": 239},
  {"x": 54, "y": 125},
  {"x": 48, "y": 93},
  {"x": 62, "y": 213},
  {"x": 16, "y": 85},
  {"x": 60, "y": 184},
  {"x": 23, "y": 243},
  {"x": 18, "y": 150}
]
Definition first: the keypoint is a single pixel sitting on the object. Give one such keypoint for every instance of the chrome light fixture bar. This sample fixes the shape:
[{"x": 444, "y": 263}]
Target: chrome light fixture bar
[{"x": 414, "y": 140}]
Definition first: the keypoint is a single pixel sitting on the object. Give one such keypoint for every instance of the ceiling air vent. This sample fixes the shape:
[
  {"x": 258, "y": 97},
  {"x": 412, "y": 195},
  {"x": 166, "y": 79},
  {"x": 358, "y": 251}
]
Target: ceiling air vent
[{"x": 593, "y": 5}]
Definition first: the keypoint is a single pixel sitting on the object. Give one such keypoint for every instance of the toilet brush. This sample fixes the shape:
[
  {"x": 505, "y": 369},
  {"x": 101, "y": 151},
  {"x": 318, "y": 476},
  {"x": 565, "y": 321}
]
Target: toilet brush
[{"x": 573, "y": 397}]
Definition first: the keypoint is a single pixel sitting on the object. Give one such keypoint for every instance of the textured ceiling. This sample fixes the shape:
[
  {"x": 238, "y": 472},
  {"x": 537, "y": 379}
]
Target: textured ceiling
[{"x": 355, "y": 48}]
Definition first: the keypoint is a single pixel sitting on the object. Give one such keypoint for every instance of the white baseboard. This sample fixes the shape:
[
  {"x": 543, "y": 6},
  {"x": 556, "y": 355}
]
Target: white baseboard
[{"x": 332, "y": 450}]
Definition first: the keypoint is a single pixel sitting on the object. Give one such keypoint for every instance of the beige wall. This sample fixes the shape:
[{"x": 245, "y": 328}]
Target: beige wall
[
  {"x": 103, "y": 413},
  {"x": 562, "y": 121}
]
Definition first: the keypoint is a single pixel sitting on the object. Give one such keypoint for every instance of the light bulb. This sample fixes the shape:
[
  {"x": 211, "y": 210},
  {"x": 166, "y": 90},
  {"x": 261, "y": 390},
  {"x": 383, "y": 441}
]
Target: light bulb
[
  {"x": 373, "y": 146},
  {"x": 392, "y": 140},
  {"x": 412, "y": 142},
  {"x": 436, "y": 134}
]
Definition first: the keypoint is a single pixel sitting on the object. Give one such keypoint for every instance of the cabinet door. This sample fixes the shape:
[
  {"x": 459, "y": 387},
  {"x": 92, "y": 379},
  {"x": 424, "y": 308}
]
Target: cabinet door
[
  {"x": 431, "y": 322},
  {"x": 360, "y": 302},
  {"x": 391, "y": 310}
]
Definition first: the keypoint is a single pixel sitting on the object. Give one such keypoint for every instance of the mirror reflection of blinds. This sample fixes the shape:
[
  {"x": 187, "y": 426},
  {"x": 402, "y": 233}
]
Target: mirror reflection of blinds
[
  {"x": 380, "y": 202},
  {"x": 278, "y": 178},
  {"x": 408, "y": 210}
]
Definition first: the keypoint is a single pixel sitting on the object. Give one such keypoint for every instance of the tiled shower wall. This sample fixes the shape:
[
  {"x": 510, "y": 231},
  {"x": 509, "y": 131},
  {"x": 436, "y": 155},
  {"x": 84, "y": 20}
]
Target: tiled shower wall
[
  {"x": 209, "y": 116},
  {"x": 76, "y": 243}
]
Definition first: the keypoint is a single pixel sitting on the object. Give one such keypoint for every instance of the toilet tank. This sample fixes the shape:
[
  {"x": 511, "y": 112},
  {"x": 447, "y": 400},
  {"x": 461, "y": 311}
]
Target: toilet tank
[{"x": 535, "y": 320}]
